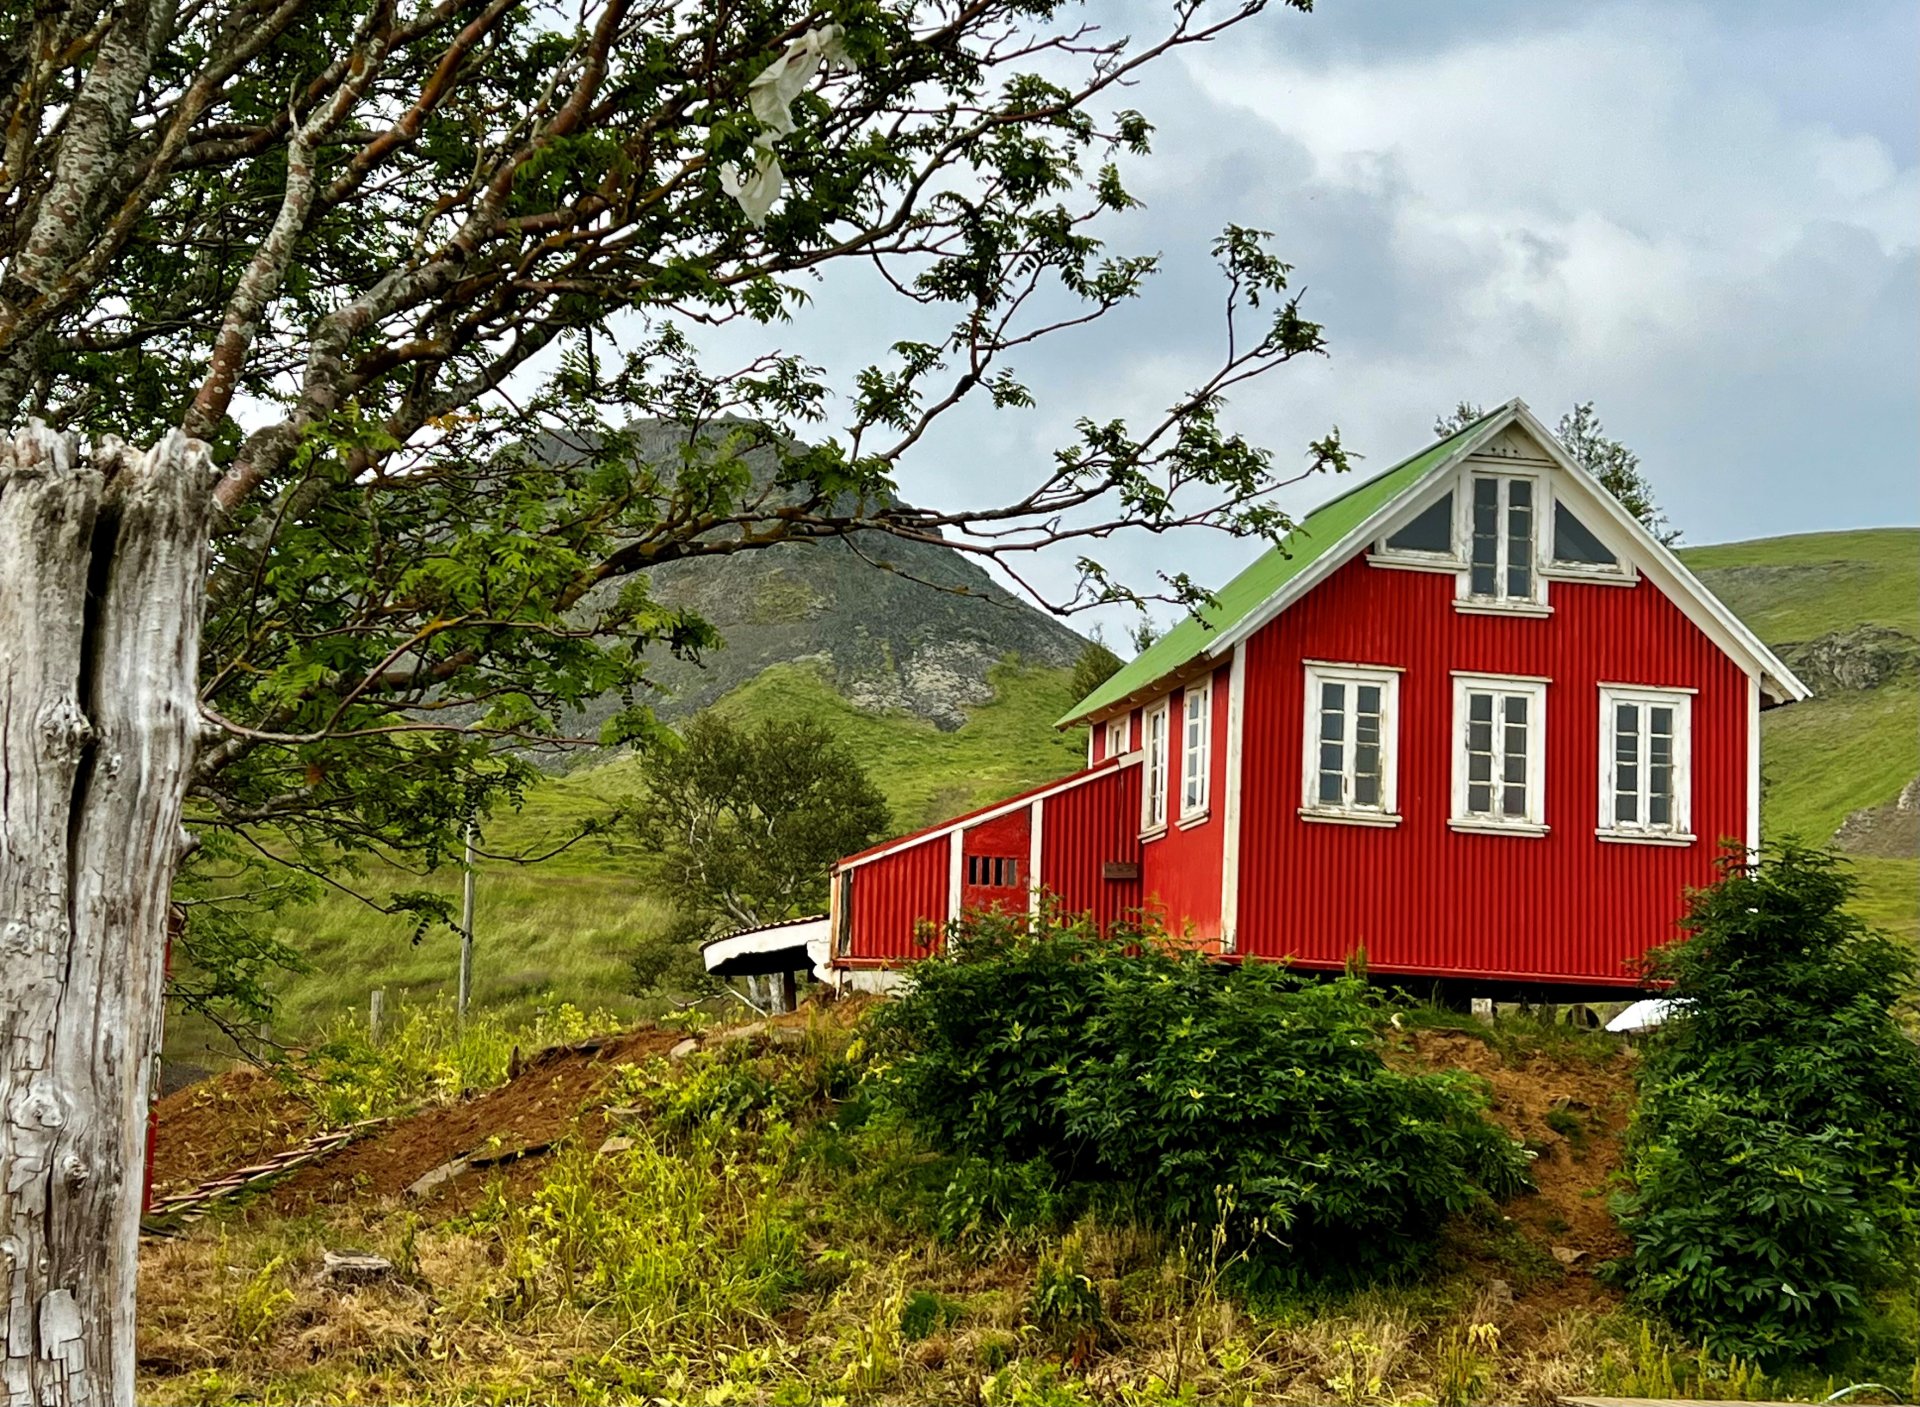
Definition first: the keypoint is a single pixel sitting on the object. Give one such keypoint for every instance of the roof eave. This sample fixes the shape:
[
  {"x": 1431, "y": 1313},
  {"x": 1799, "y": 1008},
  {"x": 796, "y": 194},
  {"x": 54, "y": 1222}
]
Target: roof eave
[{"x": 1759, "y": 660}]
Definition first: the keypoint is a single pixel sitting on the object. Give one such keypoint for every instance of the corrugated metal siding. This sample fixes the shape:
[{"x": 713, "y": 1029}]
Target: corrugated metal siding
[
  {"x": 895, "y": 896},
  {"x": 1181, "y": 878},
  {"x": 1422, "y": 898},
  {"x": 1083, "y": 830},
  {"x": 1008, "y": 836}
]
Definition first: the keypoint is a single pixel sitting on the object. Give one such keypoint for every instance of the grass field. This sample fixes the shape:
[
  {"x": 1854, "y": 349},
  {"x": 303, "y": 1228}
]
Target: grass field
[
  {"x": 1795, "y": 588},
  {"x": 560, "y": 930},
  {"x": 1830, "y": 756}
]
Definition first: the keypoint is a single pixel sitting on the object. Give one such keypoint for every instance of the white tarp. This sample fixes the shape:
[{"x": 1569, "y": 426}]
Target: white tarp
[{"x": 1643, "y": 1015}]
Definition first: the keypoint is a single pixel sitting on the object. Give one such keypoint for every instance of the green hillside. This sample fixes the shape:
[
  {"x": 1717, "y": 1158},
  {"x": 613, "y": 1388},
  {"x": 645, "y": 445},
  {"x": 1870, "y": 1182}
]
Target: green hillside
[
  {"x": 1844, "y": 749},
  {"x": 1794, "y": 588}
]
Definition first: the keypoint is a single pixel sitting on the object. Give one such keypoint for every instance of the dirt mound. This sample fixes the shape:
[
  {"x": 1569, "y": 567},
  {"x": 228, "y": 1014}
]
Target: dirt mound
[
  {"x": 536, "y": 1109},
  {"x": 221, "y": 1123},
  {"x": 1573, "y": 1113}
]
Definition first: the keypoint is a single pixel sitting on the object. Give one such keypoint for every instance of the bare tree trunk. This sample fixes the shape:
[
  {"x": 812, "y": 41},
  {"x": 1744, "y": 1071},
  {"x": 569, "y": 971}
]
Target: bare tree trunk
[{"x": 103, "y": 564}]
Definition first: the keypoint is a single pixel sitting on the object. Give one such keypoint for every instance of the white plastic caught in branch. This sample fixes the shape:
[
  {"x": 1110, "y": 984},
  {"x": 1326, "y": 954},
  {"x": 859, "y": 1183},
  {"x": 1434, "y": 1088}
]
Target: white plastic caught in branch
[{"x": 770, "y": 98}]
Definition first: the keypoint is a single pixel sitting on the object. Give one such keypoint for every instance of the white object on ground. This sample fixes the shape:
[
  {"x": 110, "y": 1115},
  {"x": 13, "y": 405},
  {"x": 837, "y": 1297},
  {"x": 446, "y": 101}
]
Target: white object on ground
[{"x": 1643, "y": 1015}]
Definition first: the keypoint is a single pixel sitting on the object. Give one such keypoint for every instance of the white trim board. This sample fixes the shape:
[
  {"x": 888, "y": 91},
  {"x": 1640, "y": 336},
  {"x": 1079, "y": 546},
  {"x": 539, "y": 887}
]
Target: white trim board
[{"x": 1230, "y": 803}]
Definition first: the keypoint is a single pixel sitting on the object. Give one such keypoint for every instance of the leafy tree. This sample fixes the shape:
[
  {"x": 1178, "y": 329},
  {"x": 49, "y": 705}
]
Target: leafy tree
[
  {"x": 1775, "y": 1151},
  {"x": 745, "y": 821},
  {"x": 1251, "y": 1097},
  {"x": 1616, "y": 467},
  {"x": 1454, "y": 421},
  {"x": 1095, "y": 666},
  {"x": 403, "y": 299}
]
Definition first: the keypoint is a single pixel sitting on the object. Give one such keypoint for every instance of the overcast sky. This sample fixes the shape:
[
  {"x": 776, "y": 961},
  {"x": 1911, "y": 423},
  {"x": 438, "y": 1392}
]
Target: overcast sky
[{"x": 1703, "y": 217}]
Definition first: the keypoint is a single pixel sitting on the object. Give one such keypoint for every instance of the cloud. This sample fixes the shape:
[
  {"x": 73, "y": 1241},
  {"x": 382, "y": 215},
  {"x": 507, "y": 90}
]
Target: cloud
[{"x": 1703, "y": 217}]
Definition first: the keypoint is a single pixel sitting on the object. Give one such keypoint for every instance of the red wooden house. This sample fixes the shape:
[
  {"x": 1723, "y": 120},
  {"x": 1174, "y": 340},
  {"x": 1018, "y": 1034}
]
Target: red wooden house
[{"x": 1470, "y": 718}]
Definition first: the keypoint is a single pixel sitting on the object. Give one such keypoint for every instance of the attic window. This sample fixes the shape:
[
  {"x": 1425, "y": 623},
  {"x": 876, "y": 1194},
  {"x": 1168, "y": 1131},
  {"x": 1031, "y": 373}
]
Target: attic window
[
  {"x": 1574, "y": 543},
  {"x": 1431, "y": 533}
]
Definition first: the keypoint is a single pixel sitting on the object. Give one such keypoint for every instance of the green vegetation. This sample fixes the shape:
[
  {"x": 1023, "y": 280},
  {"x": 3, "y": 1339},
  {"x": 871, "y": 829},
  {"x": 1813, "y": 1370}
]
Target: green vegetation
[
  {"x": 1776, "y": 1145},
  {"x": 1151, "y": 1079},
  {"x": 565, "y": 929},
  {"x": 554, "y": 932},
  {"x": 926, "y": 775},
  {"x": 1834, "y": 754},
  {"x": 1095, "y": 666},
  {"x": 423, "y": 1056},
  {"x": 768, "y": 1232},
  {"x": 743, "y": 822},
  {"x": 1795, "y": 588}
]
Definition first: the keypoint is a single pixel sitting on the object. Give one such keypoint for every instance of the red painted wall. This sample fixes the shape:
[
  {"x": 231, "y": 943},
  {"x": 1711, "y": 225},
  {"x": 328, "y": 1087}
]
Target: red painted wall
[
  {"x": 1423, "y": 899},
  {"x": 1182, "y": 868},
  {"x": 1081, "y": 832},
  {"x": 894, "y": 896},
  {"x": 1009, "y": 835}
]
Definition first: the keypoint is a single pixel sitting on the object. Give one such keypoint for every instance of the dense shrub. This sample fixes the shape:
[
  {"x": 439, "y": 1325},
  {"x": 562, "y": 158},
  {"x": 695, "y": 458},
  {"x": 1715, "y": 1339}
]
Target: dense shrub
[
  {"x": 1201, "y": 1093},
  {"x": 1776, "y": 1144}
]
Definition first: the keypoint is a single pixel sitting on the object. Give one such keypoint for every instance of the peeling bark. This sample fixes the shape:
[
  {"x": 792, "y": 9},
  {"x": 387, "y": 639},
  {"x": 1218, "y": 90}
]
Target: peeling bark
[{"x": 103, "y": 563}]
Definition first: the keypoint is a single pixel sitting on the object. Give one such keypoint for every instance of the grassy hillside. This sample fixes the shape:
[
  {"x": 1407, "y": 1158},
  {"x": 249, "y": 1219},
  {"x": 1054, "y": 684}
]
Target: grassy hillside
[
  {"x": 1847, "y": 749},
  {"x": 1794, "y": 588}
]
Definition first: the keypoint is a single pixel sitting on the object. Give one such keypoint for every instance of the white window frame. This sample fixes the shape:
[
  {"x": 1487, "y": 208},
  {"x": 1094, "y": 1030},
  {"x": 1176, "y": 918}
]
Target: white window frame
[
  {"x": 1196, "y": 747},
  {"x": 1679, "y": 829},
  {"x": 1534, "y": 689},
  {"x": 1621, "y": 573},
  {"x": 1153, "y": 770},
  {"x": 1413, "y": 559},
  {"x": 1117, "y": 729},
  {"x": 1535, "y": 601},
  {"x": 1387, "y": 813}
]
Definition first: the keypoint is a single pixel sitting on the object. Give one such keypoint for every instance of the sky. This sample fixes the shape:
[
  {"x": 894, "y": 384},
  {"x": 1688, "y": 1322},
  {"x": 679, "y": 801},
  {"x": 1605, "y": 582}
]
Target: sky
[{"x": 1701, "y": 216}]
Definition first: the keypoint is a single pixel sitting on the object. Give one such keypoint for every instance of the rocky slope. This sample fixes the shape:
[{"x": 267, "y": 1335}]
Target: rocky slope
[{"x": 895, "y": 625}]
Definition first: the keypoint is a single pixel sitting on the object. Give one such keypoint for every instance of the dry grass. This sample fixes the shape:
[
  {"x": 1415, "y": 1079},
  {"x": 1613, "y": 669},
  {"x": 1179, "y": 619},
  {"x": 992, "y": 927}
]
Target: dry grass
[{"x": 745, "y": 1251}]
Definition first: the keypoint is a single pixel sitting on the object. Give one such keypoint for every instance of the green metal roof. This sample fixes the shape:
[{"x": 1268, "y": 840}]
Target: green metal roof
[{"x": 1311, "y": 539}]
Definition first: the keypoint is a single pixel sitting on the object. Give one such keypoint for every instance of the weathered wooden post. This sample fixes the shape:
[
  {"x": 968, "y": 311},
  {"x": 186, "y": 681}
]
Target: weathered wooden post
[
  {"x": 376, "y": 1014},
  {"x": 466, "y": 930},
  {"x": 103, "y": 565}
]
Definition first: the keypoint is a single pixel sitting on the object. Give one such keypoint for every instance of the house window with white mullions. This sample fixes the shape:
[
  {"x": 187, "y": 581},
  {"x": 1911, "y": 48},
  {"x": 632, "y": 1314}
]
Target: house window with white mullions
[
  {"x": 1501, "y": 538},
  {"x": 1646, "y": 764},
  {"x": 1499, "y": 754},
  {"x": 1351, "y": 745},
  {"x": 1196, "y": 752},
  {"x": 1153, "y": 778},
  {"x": 1117, "y": 736}
]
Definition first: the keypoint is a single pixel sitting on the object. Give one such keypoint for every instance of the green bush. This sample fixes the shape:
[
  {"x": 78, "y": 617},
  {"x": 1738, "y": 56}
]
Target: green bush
[
  {"x": 1195, "y": 1092},
  {"x": 1776, "y": 1145}
]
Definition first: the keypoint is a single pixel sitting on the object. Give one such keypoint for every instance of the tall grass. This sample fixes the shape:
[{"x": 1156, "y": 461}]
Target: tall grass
[{"x": 423, "y": 1055}]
